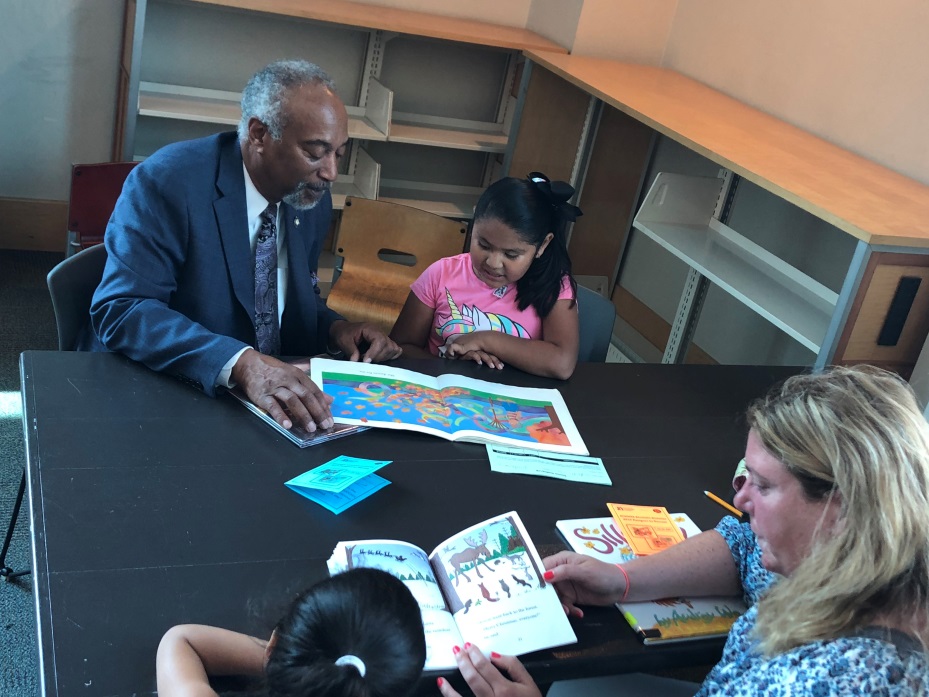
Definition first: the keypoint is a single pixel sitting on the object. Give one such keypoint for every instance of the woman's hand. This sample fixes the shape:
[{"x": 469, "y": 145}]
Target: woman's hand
[
  {"x": 583, "y": 580},
  {"x": 497, "y": 676}
]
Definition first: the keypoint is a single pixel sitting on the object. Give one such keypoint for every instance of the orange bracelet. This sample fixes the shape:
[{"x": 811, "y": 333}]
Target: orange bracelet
[{"x": 626, "y": 576}]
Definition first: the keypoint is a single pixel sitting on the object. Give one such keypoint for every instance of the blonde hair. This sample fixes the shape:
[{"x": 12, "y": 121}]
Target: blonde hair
[{"x": 855, "y": 435}]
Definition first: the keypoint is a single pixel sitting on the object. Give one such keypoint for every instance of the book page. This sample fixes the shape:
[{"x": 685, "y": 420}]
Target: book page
[
  {"x": 657, "y": 621},
  {"x": 491, "y": 576},
  {"x": 464, "y": 409},
  {"x": 410, "y": 564}
]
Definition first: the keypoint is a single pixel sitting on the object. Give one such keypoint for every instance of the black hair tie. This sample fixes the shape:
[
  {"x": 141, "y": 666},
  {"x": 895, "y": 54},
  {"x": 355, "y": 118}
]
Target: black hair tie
[{"x": 557, "y": 193}]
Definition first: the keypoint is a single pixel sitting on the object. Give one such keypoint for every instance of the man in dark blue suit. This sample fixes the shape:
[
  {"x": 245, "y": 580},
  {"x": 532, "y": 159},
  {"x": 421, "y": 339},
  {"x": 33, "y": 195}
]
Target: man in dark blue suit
[{"x": 179, "y": 289}]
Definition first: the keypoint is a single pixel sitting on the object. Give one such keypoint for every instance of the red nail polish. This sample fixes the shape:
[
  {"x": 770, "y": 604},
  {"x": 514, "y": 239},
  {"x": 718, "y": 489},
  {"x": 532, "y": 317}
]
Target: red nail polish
[
  {"x": 456, "y": 650},
  {"x": 467, "y": 645},
  {"x": 548, "y": 575},
  {"x": 494, "y": 654},
  {"x": 440, "y": 681}
]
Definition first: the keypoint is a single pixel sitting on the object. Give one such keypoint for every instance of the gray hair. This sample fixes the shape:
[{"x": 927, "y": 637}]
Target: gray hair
[{"x": 263, "y": 94}]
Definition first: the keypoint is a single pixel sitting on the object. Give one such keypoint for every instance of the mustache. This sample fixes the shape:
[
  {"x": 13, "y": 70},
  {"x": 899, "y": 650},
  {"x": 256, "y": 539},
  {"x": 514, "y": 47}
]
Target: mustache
[{"x": 320, "y": 188}]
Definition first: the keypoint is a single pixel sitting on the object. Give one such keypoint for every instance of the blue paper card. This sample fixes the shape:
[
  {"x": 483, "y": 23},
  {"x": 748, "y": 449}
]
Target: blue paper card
[
  {"x": 341, "y": 482},
  {"x": 338, "y": 501},
  {"x": 338, "y": 474}
]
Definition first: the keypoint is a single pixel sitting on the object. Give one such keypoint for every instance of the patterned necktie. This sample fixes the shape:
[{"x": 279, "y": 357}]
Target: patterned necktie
[{"x": 267, "y": 328}]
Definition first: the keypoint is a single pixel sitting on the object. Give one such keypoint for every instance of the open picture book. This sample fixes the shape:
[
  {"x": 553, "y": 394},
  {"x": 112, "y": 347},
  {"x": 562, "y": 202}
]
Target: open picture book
[
  {"x": 656, "y": 621},
  {"x": 454, "y": 407},
  {"x": 483, "y": 585}
]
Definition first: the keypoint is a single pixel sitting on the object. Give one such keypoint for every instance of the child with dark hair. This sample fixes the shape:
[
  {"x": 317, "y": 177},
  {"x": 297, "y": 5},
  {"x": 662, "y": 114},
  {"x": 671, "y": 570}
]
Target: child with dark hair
[
  {"x": 512, "y": 298},
  {"x": 357, "y": 634}
]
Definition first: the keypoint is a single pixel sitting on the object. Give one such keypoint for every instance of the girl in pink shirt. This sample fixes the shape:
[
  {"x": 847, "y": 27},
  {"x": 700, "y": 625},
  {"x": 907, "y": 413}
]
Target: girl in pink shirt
[{"x": 511, "y": 299}]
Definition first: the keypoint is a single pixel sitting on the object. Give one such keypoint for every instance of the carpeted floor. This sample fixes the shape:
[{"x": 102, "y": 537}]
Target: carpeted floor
[{"x": 28, "y": 323}]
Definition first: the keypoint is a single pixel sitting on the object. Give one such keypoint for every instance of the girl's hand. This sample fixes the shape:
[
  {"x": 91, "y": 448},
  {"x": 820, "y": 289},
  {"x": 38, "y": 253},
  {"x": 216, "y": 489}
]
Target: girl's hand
[
  {"x": 583, "y": 580},
  {"x": 498, "y": 676},
  {"x": 468, "y": 347}
]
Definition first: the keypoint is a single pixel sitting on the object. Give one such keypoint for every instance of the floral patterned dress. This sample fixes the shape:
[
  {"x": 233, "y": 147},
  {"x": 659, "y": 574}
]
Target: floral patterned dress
[{"x": 892, "y": 665}]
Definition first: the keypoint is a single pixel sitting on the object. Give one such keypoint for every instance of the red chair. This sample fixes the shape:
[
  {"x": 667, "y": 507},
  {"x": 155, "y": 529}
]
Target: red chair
[{"x": 94, "y": 190}]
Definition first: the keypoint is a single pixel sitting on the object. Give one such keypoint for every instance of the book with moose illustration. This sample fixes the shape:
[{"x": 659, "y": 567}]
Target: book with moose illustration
[
  {"x": 655, "y": 621},
  {"x": 454, "y": 407},
  {"x": 483, "y": 585}
]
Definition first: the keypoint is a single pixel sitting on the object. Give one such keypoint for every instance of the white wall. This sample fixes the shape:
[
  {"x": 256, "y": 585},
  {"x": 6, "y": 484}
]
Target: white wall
[
  {"x": 626, "y": 30},
  {"x": 555, "y": 20},
  {"x": 854, "y": 72},
  {"x": 58, "y": 73}
]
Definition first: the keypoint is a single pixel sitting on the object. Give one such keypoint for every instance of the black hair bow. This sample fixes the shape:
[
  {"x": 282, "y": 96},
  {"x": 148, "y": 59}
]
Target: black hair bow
[{"x": 557, "y": 193}]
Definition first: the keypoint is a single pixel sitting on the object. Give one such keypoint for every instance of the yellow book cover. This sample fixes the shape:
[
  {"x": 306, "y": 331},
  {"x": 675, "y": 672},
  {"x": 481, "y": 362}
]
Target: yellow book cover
[{"x": 647, "y": 529}]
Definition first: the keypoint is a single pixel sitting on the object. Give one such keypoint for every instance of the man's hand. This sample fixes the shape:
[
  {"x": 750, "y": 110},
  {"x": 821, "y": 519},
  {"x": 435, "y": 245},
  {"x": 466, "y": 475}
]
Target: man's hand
[
  {"x": 498, "y": 676},
  {"x": 279, "y": 388},
  {"x": 583, "y": 580},
  {"x": 351, "y": 338}
]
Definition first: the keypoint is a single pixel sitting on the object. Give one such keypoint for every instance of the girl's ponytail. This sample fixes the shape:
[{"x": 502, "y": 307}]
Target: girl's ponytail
[{"x": 357, "y": 634}]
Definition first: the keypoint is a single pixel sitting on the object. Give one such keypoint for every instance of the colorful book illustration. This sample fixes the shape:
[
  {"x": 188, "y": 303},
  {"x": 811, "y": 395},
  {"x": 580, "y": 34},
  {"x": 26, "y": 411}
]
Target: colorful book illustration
[
  {"x": 449, "y": 406},
  {"x": 656, "y": 621},
  {"x": 647, "y": 529},
  {"x": 483, "y": 585}
]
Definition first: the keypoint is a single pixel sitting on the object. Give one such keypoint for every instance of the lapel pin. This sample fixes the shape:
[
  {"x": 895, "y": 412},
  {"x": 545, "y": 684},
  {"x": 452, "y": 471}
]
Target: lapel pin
[{"x": 297, "y": 222}]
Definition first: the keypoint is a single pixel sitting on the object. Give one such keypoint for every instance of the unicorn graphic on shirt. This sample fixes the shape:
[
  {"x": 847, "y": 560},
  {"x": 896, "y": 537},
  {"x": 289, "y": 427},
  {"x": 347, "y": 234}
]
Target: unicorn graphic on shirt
[{"x": 473, "y": 319}]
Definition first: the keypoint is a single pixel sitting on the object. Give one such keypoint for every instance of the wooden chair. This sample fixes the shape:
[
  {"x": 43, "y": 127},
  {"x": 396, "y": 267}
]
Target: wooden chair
[
  {"x": 596, "y": 316},
  {"x": 386, "y": 247},
  {"x": 94, "y": 190}
]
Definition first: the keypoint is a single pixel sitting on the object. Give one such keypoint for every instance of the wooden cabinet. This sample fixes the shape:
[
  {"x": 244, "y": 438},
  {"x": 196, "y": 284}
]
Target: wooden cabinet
[
  {"x": 727, "y": 235},
  {"x": 430, "y": 99}
]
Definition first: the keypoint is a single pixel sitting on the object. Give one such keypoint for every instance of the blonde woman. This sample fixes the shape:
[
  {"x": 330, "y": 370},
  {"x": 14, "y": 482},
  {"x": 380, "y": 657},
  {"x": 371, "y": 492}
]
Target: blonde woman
[{"x": 835, "y": 562}]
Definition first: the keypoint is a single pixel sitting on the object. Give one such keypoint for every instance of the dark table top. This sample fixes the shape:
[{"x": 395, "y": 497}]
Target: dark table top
[{"x": 154, "y": 505}]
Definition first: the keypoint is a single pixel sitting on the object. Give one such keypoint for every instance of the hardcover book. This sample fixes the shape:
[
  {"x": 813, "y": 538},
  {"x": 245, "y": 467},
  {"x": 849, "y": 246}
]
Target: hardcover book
[
  {"x": 483, "y": 585},
  {"x": 296, "y": 434},
  {"x": 454, "y": 407},
  {"x": 656, "y": 621}
]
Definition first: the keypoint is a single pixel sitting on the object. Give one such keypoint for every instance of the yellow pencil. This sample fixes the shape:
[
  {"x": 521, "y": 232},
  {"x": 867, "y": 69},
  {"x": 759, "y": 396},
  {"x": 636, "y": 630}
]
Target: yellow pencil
[{"x": 722, "y": 503}]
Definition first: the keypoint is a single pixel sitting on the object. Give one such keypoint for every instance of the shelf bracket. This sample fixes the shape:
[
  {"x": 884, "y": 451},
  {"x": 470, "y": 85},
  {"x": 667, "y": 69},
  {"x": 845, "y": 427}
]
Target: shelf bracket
[
  {"x": 585, "y": 144},
  {"x": 373, "y": 58},
  {"x": 516, "y": 117},
  {"x": 685, "y": 320},
  {"x": 696, "y": 285}
]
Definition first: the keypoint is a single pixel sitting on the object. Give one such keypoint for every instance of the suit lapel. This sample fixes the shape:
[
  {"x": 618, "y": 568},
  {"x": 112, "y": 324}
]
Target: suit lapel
[{"x": 232, "y": 219}]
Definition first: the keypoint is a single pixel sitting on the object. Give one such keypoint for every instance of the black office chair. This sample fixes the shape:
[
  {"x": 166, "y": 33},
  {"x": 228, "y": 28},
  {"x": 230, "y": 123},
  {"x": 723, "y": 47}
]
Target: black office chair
[
  {"x": 596, "y": 316},
  {"x": 71, "y": 284}
]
